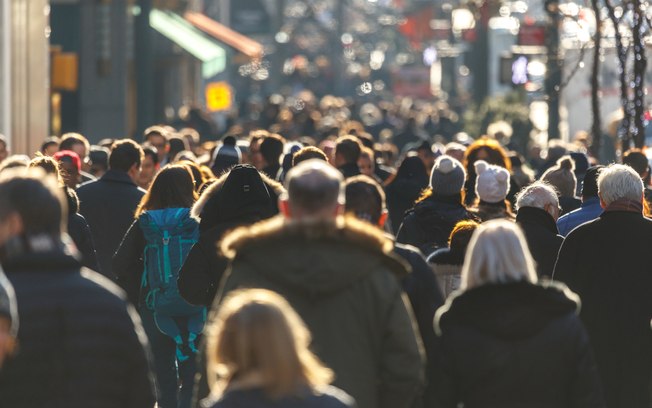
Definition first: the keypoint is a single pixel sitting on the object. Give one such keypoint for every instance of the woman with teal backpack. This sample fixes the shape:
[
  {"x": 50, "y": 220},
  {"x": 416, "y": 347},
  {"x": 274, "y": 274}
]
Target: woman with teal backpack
[{"x": 147, "y": 265}]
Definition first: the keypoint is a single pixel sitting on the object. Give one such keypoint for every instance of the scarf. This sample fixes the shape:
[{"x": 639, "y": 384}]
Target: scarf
[{"x": 626, "y": 205}]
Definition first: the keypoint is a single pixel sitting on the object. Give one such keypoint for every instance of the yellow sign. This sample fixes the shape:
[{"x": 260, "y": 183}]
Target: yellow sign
[{"x": 218, "y": 96}]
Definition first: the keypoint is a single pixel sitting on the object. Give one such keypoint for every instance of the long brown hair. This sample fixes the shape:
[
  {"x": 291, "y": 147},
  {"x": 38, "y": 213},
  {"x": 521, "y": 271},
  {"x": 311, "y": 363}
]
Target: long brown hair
[{"x": 173, "y": 187}]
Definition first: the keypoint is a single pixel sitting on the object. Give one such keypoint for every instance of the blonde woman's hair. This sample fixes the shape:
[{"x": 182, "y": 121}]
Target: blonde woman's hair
[
  {"x": 497, "y": 253},
  {"x": 257, "y": 334}
]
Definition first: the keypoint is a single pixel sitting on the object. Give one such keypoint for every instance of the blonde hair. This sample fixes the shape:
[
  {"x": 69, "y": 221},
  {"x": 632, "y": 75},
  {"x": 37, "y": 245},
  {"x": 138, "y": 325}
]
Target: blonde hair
[
  {"x": 257, "y": 334},
  {"x": 497, "y": 253}
]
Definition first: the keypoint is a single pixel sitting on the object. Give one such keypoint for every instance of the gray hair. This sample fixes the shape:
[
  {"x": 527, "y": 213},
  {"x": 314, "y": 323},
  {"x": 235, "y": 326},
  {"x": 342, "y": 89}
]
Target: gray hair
[
  {"x": 314, "y": 185},
  {"x": 497, "y": 253},
  {"x": 618, "y": 181},
  {"x": 538, "y": 195}
]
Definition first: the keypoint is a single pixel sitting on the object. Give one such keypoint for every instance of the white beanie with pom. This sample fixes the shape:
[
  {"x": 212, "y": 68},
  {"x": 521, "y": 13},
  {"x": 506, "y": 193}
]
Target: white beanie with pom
[{"x": 492, "y": 183}]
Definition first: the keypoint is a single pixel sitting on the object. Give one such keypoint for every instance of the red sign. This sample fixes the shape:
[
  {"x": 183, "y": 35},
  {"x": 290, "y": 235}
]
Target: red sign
[{"x": 532, "y": 35}]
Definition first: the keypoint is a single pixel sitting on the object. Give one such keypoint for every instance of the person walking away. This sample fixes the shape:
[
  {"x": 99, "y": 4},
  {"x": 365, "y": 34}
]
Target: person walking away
[
  {"x": 336, "y": 273},
  {"x": 147, "y": 265},
  {"x": 605, "y": 262},
  {"x": 81, "y": 342},
  {"x": 507, "y": 340},
  {"x": 590, "y": 209},
  {"x": 491, "y": 188},
  {"x": 109, "y": 204},
  {"x": 537, "y": 207}
]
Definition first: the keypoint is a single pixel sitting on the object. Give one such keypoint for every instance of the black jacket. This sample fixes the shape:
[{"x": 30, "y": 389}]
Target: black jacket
[
  {"x": 425, "y": 298},
  {"x": 403, "y": 192},
  {"x": 81, "y": 344},
  {"x": 606, "y": 262},
  {"x": 349, "y": 170},
  {"x": 225, "y": 205},
  {"x": 80, "y": 232},
  {"x": 428, "y": 225},
  {"x": 542, "y": 237},
  {"x": 108, "y": 205},
  {"x": 515, "y": 345}
]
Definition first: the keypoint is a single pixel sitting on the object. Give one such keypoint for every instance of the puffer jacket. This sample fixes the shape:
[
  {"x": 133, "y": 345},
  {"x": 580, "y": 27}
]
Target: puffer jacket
[
  {"x": 515, "y": 345},
  {"x": 341, "y": 279},
  {"x": 81, "y": 344}
]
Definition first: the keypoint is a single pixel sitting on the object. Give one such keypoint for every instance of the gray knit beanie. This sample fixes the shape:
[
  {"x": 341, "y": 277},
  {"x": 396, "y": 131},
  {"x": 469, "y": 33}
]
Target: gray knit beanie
[{"x": 447, "y": 177}]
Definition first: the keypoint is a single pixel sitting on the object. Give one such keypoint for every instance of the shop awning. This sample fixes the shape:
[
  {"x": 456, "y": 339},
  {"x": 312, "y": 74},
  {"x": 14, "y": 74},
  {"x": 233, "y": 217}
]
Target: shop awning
[
  {"x": 182, "y": 33},
  {"x": 222, "y": 33}
]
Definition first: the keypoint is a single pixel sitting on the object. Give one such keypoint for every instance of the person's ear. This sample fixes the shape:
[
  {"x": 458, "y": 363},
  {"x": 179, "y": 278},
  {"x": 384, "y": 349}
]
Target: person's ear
[
  {"x": 339, "y": 209},
  {"x": 10, "y": 227},
  {"x": 602, "y": 203},
  {"x": 383, "y": 219},
  {"x": 284, "y": 207}
]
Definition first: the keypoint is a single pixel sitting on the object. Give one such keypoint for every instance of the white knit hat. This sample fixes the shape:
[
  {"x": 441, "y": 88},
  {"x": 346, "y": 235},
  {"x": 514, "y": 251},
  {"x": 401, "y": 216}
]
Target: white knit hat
[{"x": 492, "y": 183}]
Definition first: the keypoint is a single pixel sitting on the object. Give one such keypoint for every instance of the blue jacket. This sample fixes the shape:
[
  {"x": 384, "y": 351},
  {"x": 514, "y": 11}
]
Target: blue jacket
[{"x": 589, "y": 211}]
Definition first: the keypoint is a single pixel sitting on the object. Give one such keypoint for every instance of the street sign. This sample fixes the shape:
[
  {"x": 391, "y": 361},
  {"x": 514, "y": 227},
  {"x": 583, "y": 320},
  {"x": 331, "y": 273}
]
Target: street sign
[{"x": 218, "y": 96}]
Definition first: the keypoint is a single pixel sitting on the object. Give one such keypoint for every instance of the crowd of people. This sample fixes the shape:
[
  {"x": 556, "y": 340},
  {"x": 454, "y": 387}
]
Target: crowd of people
[{"x": 377, "y": 259}]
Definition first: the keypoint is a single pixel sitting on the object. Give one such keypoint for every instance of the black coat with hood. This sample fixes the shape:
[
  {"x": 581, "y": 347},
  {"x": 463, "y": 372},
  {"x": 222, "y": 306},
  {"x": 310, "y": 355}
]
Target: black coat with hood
[
  {"x": 341, "y": 279},
  {"x": 429, "y": 224},
  {"x": 542, "y": 238},
  {"x": 80, "y": 343},
  {"x": 515, "y": 345},
  {"x": 241, "y": 197}
]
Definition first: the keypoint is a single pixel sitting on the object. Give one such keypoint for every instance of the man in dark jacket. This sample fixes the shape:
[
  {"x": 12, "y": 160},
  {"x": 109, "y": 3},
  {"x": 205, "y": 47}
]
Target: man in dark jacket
[
  {"x": 538, "y": 211},
  {"x": 365, "y": 200},
  {"x": 347, "y": 154},
  {"x": 340, "y": 277},
  {"x": 604, "y": 261},
  {"x": 109, "y": 204},
  {"x": 81, "y": 343},
  {"x": 590, "y": 209}
]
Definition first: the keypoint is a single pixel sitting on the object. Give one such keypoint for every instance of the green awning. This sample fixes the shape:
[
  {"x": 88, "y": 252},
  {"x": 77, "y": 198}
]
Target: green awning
[{"x": 186, "y": 36}]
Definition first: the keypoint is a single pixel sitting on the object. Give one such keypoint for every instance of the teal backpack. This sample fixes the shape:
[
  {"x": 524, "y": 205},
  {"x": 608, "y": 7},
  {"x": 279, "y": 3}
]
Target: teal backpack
[{"x": 170, "y": 234}]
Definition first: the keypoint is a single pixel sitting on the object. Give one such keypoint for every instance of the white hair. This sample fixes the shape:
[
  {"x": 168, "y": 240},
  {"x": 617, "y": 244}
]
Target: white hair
[
  {"x": 538, "y": 195},
  {"x": 497, "y": 253},
  {"x": 618, "y": 181}
]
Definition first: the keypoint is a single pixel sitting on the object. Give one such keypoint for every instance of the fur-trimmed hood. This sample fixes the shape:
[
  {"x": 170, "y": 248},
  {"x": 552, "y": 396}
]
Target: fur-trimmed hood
[
  {"x": 313, "y": 256},
  {"x": 514, "y": 310},
  {"x": 241, "y": 193}
]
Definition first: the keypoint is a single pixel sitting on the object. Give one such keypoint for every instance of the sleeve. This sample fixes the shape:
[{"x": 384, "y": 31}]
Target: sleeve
[
  {"x": 128, "y": 263},
  {"x": 408, "y": 232},
  {"x": 402, "y": 363},
  {"x": 87, "y": 247},
  {"x": 195, "y": 283},
  {"x": 140, "y": 381}
]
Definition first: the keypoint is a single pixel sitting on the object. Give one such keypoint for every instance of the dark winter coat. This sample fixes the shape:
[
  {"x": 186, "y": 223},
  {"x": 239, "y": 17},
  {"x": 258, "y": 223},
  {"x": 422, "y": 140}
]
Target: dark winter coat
[
  {"x": 331, "y": 397},
  {"x": 80, "y": 232},
  {"x": 342, "y": 282},
  {"x": 425, "y": 298},
  {"x": 515, "y": 345},
  {"x": 349, "y": 170},
  {"x": 405, "y": 189},
  {"x": 109, "y": 205},
  {"x": 224, "y": 206},
  {"x": 81, "y": 344},
  {"x": 428, "y": 225},
  {"x": 606, "y": 262},
  {"x": 542, "y": 237}
]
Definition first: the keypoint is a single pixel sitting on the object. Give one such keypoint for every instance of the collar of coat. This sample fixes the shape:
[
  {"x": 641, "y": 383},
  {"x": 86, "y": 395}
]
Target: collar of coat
[
  {"x": 345, "y": 228},
  {"x": 537, "y": 216}
]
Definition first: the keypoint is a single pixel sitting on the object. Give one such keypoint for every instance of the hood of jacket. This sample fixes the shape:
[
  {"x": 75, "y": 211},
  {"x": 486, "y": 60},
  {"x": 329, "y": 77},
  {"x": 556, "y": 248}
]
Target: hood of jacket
[
  {"x": 315, "y": 258},
  {"x": 242, "y": 195},
  {"x": 510, "y": 311}
]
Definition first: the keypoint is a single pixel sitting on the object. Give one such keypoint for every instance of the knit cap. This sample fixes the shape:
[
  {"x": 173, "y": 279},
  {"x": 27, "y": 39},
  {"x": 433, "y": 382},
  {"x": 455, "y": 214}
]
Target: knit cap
[
  {"x": 492, "y": 183},
  {"x": 562, "y": 176},
  {"x": 447, "y": 177}
]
